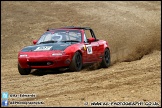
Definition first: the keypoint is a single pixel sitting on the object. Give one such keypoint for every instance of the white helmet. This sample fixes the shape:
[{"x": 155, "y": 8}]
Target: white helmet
[{"x": 57, "y": 37}]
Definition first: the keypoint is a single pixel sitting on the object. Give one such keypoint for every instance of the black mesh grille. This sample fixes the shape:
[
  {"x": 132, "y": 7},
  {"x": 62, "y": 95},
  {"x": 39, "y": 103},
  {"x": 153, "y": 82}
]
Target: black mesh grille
[{"x": 47, "y": 63}]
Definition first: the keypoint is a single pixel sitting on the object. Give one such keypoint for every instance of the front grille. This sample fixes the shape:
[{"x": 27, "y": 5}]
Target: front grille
[{"x": 46, "y": 63}]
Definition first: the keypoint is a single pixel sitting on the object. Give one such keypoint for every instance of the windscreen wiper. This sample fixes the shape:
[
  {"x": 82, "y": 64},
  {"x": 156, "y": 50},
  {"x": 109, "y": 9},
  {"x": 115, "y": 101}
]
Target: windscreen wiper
[
  {"x": 70, "y": 41},
  {"x": 51, "y": 41}
]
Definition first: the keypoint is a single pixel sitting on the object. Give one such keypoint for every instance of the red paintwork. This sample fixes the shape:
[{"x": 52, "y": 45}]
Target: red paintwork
[
  {"x": 60, "y": 61},
  {"x": 91, "y": 39}
]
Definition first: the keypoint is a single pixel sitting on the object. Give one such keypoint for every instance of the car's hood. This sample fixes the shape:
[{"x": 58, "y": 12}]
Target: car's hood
[{"x": 46, "y": 47}]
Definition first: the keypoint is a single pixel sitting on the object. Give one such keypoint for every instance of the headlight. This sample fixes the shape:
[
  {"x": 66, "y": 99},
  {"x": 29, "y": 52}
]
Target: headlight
[
  {"x": 57, "y": 54},
  {"x": 23, "y": 55}
]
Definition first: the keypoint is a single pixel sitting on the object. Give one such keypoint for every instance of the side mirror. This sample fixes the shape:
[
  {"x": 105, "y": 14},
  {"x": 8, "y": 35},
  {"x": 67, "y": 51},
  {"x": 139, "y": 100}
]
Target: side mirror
[
  {"x": 91, "y": 39},
  {"x": 35, "y": 41}
]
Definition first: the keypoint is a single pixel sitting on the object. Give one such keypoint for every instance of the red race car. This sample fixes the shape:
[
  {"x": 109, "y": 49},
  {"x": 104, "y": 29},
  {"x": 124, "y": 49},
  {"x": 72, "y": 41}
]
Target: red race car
[{"x": 67, "y": 47}]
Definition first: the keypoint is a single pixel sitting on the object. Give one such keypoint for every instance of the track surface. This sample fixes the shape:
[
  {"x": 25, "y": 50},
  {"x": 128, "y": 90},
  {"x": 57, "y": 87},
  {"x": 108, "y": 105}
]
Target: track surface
[{"x": 131, "y": 28}]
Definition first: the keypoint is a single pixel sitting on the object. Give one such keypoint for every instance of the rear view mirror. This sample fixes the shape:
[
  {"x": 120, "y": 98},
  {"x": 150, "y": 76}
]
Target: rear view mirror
[{"x": 35, "y": 41}]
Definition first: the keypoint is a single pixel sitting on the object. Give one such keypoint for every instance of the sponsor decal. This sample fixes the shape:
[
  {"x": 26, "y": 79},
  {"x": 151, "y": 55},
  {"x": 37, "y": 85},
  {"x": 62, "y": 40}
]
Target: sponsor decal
[
  {"x": 84, "y": 47},
  {"x": 43, "y": 48}
]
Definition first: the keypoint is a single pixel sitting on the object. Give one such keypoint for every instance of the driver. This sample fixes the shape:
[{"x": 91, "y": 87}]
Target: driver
[{"x": 57, "y": 37}]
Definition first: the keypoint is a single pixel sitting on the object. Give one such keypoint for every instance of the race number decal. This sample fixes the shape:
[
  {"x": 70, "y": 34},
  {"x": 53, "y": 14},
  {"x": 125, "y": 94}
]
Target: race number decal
[
  {"x": 89, "y": 49},
  {"x": 43, "y": 48}
]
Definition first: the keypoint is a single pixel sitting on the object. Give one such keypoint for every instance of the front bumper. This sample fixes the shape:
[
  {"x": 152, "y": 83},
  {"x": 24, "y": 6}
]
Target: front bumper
[{"x": 44, "y": 62}]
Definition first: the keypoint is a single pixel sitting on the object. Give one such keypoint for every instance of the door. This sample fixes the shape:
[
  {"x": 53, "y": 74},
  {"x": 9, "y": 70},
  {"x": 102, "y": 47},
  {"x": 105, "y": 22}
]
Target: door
[{"x": 91, "y": 48}]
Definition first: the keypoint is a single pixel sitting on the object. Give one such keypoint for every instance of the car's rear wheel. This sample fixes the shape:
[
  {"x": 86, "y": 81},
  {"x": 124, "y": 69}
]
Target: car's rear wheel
[
  {"x": 76, "y": 63},
  {"x": 106, "y": 59},
  {"x": 24, "y": 71}
]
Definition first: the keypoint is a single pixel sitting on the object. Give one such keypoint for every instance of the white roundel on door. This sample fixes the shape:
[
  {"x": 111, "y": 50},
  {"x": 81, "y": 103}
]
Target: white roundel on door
[{"x": 89, "y": 49}]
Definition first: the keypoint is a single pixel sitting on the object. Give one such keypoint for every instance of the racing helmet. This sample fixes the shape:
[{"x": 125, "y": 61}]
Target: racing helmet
[{"x": 57, "y": 37}]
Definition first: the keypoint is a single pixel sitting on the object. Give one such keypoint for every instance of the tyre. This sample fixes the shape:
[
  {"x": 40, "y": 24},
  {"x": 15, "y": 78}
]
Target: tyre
[
  {"x": 24, "y": 71},
  {"x": 106, "y": 59},
  {"x": 76, "y": 63}
]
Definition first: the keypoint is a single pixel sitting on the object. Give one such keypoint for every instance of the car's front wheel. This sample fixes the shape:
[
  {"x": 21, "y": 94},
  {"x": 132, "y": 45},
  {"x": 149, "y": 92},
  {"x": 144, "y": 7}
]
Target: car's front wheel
[
  {"x": 24, "y": 71},
  {"x": 76, "y": 63}
]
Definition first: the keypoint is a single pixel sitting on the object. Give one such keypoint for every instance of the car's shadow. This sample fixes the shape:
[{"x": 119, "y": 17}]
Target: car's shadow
[{"x": 41, "y": 72}]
